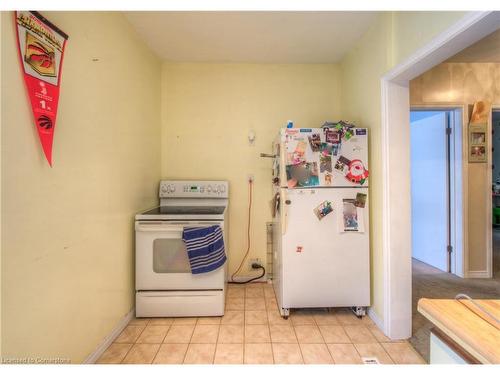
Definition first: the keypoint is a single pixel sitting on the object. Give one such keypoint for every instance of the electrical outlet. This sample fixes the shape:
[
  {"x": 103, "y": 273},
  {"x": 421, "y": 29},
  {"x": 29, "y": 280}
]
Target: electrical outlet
[
  {"x": 253, "y": 261},
  {"x": 251, "y": 178}
]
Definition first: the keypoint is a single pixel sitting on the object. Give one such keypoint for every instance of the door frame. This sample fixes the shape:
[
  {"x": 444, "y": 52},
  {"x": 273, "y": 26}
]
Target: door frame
[
  {"x": 396, "y": 206},
  {"x": 463, "y": 252}
]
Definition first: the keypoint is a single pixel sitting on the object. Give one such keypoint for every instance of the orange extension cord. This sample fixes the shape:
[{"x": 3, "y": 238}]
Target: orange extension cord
[{"x": 250, "y": 186}]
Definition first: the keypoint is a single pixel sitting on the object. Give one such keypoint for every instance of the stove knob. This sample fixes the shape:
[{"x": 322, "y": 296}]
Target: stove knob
[
  {"x": 222, "y": 188},
  {"x": 172, "y": 188},
  {"x": 163, "y": 189},
  {"x": 202, "y": 189},
  {"x": 209, "y": 188}
]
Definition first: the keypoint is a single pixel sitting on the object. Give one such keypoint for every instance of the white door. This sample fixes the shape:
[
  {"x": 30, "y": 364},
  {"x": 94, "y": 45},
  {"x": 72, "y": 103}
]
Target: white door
[
  {"x": 161, "y": 260},
  {"x": 429, "y": 188},
  {"x": 323, "y": 265}
]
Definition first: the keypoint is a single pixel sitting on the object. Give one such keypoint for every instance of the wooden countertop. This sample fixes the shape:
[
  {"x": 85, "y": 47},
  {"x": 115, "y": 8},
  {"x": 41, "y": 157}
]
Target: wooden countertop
[{"x": 471, "y": 329}]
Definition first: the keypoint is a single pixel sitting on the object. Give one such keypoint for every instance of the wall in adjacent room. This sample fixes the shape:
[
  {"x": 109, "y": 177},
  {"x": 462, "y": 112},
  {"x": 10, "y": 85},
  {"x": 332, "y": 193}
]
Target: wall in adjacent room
[
  {"x": 67, "y": 231},
  {"x": 464, "y": 84},
  {"x": 207, "y": 113},
  {"x": 392, "y": 38}
]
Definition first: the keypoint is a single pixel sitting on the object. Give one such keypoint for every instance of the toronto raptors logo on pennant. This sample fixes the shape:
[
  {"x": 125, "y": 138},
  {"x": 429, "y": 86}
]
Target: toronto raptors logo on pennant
[{"x": 41, "y": 49}]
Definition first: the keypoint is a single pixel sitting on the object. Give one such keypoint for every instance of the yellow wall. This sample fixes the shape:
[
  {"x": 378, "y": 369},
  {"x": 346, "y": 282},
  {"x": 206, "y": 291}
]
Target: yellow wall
[
  {"x": 67, "y": 244},
  {"x": 391, "y": 38},
  {"x": 463, "y": 84},
  {"x": 207, "y": 112}
]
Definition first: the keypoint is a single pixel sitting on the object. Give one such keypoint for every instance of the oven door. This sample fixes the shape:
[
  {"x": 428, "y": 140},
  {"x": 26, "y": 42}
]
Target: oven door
[{"x": 161, "y": 261}]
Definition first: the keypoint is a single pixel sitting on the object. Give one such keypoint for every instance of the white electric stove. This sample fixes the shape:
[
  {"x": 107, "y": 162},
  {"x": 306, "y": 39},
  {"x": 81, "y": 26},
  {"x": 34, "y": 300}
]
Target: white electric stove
[{"x": 164, "y": 284}]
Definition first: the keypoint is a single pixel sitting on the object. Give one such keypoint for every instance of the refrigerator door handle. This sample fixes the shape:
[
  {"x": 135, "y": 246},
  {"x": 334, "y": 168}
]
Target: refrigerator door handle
[{"x": 284, "y": 211}]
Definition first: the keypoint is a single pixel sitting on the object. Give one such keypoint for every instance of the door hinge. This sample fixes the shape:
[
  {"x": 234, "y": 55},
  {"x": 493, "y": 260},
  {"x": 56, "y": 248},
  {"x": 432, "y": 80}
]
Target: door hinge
[
  {"x": 449, "y": 248},
  {"x": 448, "y": 131}
]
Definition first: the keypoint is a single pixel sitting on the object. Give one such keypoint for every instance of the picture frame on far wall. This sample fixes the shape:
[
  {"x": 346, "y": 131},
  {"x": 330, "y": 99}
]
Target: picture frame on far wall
[{"x": 478, "y": 150}]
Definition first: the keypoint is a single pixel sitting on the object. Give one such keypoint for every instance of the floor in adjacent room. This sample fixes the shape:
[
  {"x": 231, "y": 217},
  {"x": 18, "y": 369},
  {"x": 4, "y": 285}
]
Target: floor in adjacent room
[
  {"x": 429, "y": 282},
  {"x": 252, "y": 332}
]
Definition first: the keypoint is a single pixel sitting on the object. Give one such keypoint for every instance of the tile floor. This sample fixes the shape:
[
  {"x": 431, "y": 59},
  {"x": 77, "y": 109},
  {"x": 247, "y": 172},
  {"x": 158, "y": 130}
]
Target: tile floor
[{"x": 252, "y": 332}]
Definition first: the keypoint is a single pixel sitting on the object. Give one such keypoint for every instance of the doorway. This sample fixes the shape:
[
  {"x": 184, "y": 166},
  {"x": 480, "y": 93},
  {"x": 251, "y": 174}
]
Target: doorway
[
  {"x": 495, "y": 178},
  {"x": 396, "y": 187},
  {"x": 436, "y": 188}
]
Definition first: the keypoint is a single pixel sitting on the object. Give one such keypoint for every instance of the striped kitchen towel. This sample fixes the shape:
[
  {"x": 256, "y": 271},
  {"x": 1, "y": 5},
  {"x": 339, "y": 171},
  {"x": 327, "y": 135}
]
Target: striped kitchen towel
[{"x": 205, "y": 248}]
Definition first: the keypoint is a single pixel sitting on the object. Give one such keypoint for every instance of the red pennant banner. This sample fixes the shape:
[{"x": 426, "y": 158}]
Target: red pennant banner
[{"x": 41, "y": 50}]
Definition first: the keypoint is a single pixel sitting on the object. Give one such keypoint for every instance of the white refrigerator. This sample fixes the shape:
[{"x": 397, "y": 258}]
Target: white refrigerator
[{"x": 321, "y": 237}]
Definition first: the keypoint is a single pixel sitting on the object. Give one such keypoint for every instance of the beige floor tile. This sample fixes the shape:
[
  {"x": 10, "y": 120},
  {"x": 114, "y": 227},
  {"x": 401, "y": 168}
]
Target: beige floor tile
[
  {"x": 229, "y": 354},
  {"x": 374, "y": 350},
  {"x": 287, "y": 354},
  {"x": 325, "y": 319},
  {"x": 179, "y": 335},
  {"x": 235, "y": 286},
  {"x": 269, "y": 293},
  {"x": 316, "y": 354},
  {"x": 283, "y": 334},
  {"x": 347, "y": 317},
  {"x": 139, "y": 322},
  {"x": 274, "y": 318},
  {"x": 236, "y": 293},
  {"x": 301, "y": 318},
  {"x": 114, "y": 353},
  {"x": 233, "y": 317},
  {"x": 344, "y": 354},
  {"x": 254, "y": 293},
  {"x": 255, "y": 317},
  {"x": 209, "y": 320},
  {"x": 153, "y": 335},
  {"x": 130, "y": 334},
  {"x": 188, "y": 321},
  {"x": 271, "y": 304},
  {"x": 255, "y": 285},
  {"x": 258, "y": 354},
  {"x": 161, "y": 321},
  {"x": 334, "y": 334},
  {"x": 171, "y": 354},
  {"x": 255, "y": 304},
  {"x": 308, "y": 334},
  {"x": 257, "y": 333},
  {"x": 378, "y": 334},
  {"x": 141, "y": 353},
  {"x": 200, "y": 354},
  {"x": 231, "y": 334},
  {"x": 367, "y": 321},
  {"x": 402, "y": 353},
  {"x": 359, "y": 334},
  {"x": 205, "y": 334},
  {"x": 233, "y": 304}
]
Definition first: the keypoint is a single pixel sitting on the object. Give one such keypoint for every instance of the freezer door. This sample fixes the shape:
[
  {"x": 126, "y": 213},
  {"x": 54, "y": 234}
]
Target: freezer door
[
  {"x": 309, "y": 159},
  {"x": 322, "y": 265}
]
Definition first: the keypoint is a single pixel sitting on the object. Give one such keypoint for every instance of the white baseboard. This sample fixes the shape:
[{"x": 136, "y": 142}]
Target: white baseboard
[
  {"x": 108, "y": 340},
  {"x": 478, "y": 275},
  {"x": 376, "y": 319}
]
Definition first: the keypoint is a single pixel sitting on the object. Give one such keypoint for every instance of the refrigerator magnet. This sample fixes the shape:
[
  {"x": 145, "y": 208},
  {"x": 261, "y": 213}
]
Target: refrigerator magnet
[
  {"x": 360, "y": 200},
  {"x": 315, "y": 142},
  {"x": 323, "y": 209},
  {"x": 356, "y": 172},
  {"x": 298, "y": 249}
]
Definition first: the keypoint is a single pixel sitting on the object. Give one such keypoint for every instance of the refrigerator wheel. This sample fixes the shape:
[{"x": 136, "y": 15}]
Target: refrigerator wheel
[
  {"x": 285, "y": 313},
  {"x": 359, "y": 311}
]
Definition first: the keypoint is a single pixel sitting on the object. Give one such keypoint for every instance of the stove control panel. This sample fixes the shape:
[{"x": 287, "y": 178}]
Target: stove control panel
[{"x": 194, "y": 189}]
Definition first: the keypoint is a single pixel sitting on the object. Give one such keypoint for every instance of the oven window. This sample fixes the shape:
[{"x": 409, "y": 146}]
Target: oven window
[{"x": 170, "y": 256}]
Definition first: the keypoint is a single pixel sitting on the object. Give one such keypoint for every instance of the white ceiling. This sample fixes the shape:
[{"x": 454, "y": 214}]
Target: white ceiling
[{"x": 260, "y": 37}]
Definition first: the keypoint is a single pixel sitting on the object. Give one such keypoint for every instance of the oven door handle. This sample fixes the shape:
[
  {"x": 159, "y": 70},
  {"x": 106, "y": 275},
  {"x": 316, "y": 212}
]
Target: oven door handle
[{"x": 157, "y": 227}]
